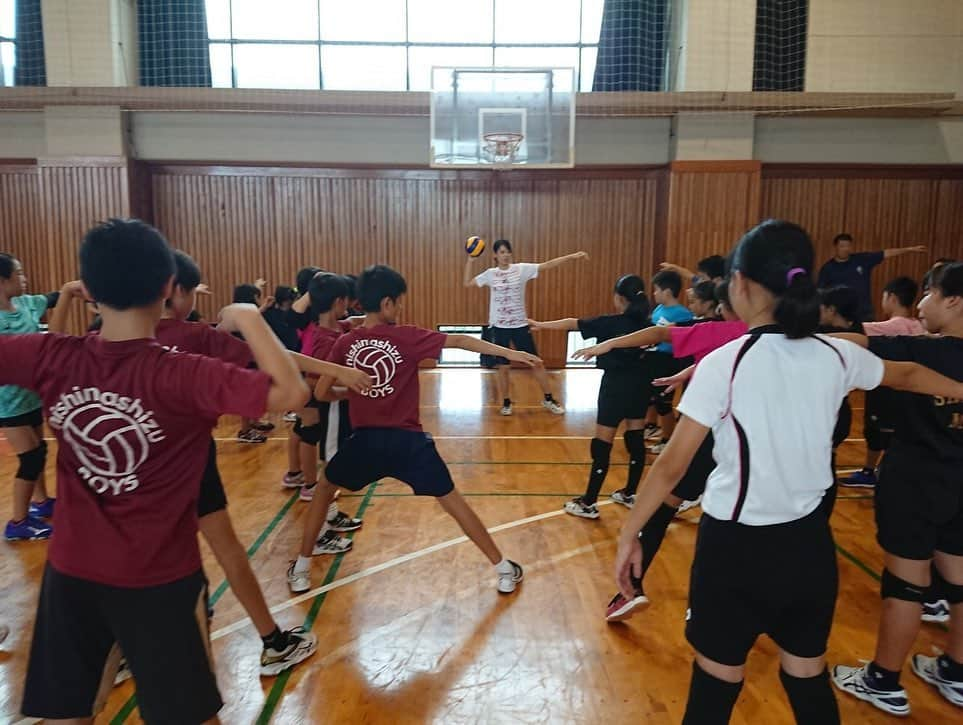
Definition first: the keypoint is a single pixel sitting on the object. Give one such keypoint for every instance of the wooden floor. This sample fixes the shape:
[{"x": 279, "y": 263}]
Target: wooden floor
[{"x": 410, "y": 625}]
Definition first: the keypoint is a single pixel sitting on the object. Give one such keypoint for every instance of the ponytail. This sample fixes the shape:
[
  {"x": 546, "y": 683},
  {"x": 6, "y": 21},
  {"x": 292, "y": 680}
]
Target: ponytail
[
  {"x": 632, "y": 289},
  {"x": 797, "y": 311}
]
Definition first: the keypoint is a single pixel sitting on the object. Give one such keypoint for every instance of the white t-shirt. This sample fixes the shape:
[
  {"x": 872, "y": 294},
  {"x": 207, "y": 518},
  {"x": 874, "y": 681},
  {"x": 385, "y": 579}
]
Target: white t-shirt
[
  {"x": 507, "y": 305},
  {"x": 773, "y": 422}
]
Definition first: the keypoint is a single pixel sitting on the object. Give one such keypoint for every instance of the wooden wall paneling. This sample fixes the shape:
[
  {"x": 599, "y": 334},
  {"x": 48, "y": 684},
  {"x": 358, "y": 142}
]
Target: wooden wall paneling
[
  {"x": 948, "y": 220},
  {"x": 818, "y": 205},
  {"x": 22, "y": 228}
]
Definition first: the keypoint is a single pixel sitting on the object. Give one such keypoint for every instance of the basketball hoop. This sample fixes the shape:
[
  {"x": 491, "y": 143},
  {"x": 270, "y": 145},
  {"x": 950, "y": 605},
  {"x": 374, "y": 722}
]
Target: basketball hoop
[{"x": 502, "y": 146}]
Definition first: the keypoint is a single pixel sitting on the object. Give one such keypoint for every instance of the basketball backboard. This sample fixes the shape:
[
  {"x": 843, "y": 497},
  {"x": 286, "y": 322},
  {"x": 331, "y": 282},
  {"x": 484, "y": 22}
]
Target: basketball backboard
[{"x": 502, "y": 118}]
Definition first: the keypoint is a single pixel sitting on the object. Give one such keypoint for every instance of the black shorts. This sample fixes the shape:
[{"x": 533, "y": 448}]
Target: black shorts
[
  {"x": 623, "y": 395},
  {"x": 844, "y": 423},
  {"x": 660, "y": 365},
  {"x": 335, "y": 428},
  {"x": 519, "y": 338},
  {"x": 877, "y": 424},
  {"x": 34, "y": 419},
  {"x": 778, "y": 580},
  {"x": 919, "y": 506},
  {"x": 410, "y": 456},
  {"x": 212, "y": 497},
  {"x": 81, "y": 629},
  {"x": 693, "y": 482}
]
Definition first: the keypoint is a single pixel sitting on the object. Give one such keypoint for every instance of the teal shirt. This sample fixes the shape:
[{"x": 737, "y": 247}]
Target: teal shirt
[{"x": 28, "y": 310}]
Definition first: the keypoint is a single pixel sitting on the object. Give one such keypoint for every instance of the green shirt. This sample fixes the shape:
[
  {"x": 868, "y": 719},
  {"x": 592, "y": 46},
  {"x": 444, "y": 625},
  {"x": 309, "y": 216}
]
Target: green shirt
[{"x": 28, "y": 310}]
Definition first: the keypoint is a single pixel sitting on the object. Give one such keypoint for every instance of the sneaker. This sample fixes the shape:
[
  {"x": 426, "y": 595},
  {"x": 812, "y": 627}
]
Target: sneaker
[
  {"x": 620, "y": 608},
  {"x": 307, "y": 492},
  {"x": 938, "y": 611},
  {"x": 577, "y": 507},
  {"x": 30, "y": 529},
  {"x": 553, "y": 406},
  {"x": 123, "y": 672},
  {"x": 298, "y": 581},
  {"x": 251, "y": 435},
  {"x": 928, "y": 669},
  {"x": 331, "y": 543},
  {"x": 626, "y": 499},
  {"x": 290, "y": 417},
  {"x": 262, "y": 425},
  {"x": 652, "y": 432},
  {"x": 854, "y": 681},
  {"x": 301, "y": 645},
  {"x": 293, "y": 480},
  {"x": 865, "y": 478},
  {"x": 4, "y": 633},
  {"x": 342, "y": 523},
  {"x": 506, "y": 409},
  {"x": 686, "y": 505},
  {"x": 657, "y": 448},
  {"x": 507, "y": 580},
  {"x": 44, "y": 509}
]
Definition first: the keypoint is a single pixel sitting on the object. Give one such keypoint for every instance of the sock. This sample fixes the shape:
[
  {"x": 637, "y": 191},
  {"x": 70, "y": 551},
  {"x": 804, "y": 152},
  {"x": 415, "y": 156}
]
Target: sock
[
  {"x": 882, "y": 679},
  {"x": 600, "y": 451},
  {"x": 506, "y": 402},
  {"x": 811, "y": 698},
  {"x": 710, "y": 699},
  {"x": 504, "y": 566},
  {"x": 277, "y": 640},
  {"x": 653, "y": 532},
  {"x": 548, "y": 397},
  {"x": 303, "y": 564},
  {"x": 332, "y": 511},
  {"x": 949, "y": 668},
  {"x": 635, "y": 445}
]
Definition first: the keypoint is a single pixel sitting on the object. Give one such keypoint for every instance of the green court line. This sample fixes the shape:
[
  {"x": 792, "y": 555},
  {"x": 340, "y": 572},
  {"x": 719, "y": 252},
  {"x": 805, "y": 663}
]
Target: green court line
[
  {"x": 127, "y": 710},
  {"x": 274, "y": 696}
]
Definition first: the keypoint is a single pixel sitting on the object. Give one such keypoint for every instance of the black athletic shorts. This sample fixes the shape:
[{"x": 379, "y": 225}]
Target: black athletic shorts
[
  {"x": 919, "y": 505},
  {"x": 519, "y": 338},
  {"x": 410, "y": 456},
  {"x": 335, "y": 428},
  {"x": 82, "y": 627},
  {"x": 844, "y": 423},
  {"x": 212, "y": 497},
  {"x": 877, "y": 424},
  {"x": 660, "y": 365},
  {"x": 778, "y": 580},
  {"x": 623, "y": 395},
  {"x": 693, "y": 482},
  {"x": 34, "y": 419}
]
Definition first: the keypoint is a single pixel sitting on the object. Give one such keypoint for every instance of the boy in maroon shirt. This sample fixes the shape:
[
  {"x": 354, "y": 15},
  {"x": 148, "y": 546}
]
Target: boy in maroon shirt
[
  {"x": 388, "y": 440},
  {"x": 133, "y": 422}
]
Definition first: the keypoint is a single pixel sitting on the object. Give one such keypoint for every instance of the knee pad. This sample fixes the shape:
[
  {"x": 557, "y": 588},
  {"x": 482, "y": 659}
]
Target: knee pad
[
  {"x": 310, "y": 434},
  {"x": 635, "y": 444},
  {"x": 32, "y": 463},
  {"x": 895, "y": 588},
  {"x": 942, "y": 589},
  {"x": 601, "y": 451}
]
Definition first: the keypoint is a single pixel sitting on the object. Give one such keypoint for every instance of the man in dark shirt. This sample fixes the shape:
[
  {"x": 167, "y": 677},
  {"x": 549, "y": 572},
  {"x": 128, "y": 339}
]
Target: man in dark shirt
[
  {"x": 277, "y": 318},
  {"x": 855, "y": 270}
]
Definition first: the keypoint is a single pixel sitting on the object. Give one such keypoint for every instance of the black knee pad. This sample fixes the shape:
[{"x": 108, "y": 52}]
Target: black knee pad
[
  {"x": 895, "y": 588},
  {"x": 942, "y": 589},
  {"x": 32, "y": 463},
  {"x": 310, "y": 434},
  {"x": 635, "y": 443},
  {"x": 601, "y": 451}
]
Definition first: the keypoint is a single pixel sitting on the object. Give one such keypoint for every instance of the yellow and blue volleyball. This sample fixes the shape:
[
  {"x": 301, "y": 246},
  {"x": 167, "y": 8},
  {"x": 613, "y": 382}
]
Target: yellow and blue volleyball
[{"x": 474, "y": 246}]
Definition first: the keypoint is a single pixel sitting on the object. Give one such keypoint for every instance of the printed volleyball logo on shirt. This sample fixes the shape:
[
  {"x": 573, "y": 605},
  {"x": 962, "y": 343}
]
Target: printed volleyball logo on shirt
[
  {"x": 109, "y": 433},
  {"x": 379, "y": 359}
]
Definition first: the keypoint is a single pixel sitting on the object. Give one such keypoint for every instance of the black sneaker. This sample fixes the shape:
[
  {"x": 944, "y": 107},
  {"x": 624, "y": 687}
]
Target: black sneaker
[{"x": 301, "y": 645}]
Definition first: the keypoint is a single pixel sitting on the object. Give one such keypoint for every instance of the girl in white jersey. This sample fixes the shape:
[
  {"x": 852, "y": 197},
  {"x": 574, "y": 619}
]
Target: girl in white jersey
[
  {"x": 507, "y": 315},
  {"x": 765, "y": 561}
]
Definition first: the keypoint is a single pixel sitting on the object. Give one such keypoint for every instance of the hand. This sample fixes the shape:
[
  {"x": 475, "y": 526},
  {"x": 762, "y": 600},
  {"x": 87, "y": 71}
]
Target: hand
[
  {"x": 268, "y": 301},
  {"x": 203, "y": 289},
  {"x": 534, "y": 325},
  {"x": 628, "y": 564},
  {"x": 588, "y": 353},
  {"x": 260, "y": 283},
  {"x": 74, "y": 289},
  {"x": 580, "y": 255},
  {"x": 669, "y": 266},
  {"x": 230, "y": 317},
  {"x": 917, "y": 248},
  {"x": 673, "y": 381},
  {"x": 355, "y": 380},
  {"x": 525, "y": 357}
]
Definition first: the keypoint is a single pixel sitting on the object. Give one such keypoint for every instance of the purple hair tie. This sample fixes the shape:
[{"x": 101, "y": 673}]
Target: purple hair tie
[{"x": 793, "y": 273}]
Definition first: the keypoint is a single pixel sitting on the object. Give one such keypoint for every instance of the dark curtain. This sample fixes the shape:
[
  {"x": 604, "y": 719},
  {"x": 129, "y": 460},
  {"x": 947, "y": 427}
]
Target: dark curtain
[
  {"x": 173, "y": 43},
  {"x": 632, "y": 46},
  {"x": 30, "y": 68},
  {"x": 779, "y": 62}
]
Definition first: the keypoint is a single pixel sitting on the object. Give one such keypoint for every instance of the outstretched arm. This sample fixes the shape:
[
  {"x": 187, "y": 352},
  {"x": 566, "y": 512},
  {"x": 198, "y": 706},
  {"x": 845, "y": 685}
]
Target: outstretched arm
[
  {"x": 899, "y": 251},
  {"x": 686, "y": 274},
  {"x": 468, "y": 276},
  {"x": 915, "y": 378},
  {"x": 643, "y": 338},
  {"x": 58, "y": 318},
  {"x": 569, "y": 323},
  {"x": 349, "y": 377},
  {"x": 544, "y": 266},
  {"x": 473, "y": 344}
]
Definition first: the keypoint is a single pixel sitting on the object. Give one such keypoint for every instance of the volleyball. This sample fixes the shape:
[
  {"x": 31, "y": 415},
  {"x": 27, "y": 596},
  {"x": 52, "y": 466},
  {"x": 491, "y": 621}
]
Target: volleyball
[{"x": 474, "y": 246}]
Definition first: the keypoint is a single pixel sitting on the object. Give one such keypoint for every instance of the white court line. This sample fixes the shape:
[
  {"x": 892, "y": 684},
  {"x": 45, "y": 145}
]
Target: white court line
[{"x": 377, "y": 569}]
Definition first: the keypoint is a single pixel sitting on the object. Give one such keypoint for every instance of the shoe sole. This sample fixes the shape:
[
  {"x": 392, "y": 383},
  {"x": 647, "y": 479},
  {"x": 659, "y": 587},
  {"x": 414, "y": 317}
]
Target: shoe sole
[
  {"x": 291, "y": 485},
  {"x": 639, "y": 604},
  {"x": 935, "y": 618},
  {"x": 581, "y": 515},
  {"x": 844, "y": 484},
  {"x": 865, "y": 697},
  {"x": 623, "y": 503},
  {"x": 299, "y": 591},
  {"x": 953, "y": 698},
  {"x": 13, "y": 539},
  {"x": 315, "y": 552},
  {"x": 344, "y": 530},
  {"x": 505, "y": 414},
  {"x": 276, "y": 668}
]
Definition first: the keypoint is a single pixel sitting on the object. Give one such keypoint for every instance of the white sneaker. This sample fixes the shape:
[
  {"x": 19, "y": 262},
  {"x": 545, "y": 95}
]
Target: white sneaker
[
  {"x": 626, "y": 499},
  {"x": 553, "y": 407},
  {"x": 295, "y": 480},
  {"x": 577, "y": 507},
  {"x": 657, "y": 448},
  {"x": 855, "y": 681},
  {"x": 928, "y": 669},
  {"x": 307, "y": 492},
  {"x": 298, "y": 581},
  {"x": 301, "y": 645},
  {"x": 123, "y": 672},
  {"x": 506, "y": 409},
  {"x": 686, "y": 505},
  {"x": 938, "y": 611},
  {"x": 331, "y": 543},
  {"x": 652, "y": 432},
  {"x": 290, "y": 417},
  {"x": 509, "y": 577}
]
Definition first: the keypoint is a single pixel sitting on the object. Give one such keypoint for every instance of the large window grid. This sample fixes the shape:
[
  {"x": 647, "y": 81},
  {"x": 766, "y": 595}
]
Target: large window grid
[{"x": 392, "y": 44}]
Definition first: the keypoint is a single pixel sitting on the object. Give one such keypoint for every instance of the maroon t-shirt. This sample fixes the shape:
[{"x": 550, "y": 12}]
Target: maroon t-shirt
[
  {"x": 133, "y": 421},
  {"x": 390, "y": 355},
  {"x": 324, "y": 339},
  {"x": 201, "y": 339}
]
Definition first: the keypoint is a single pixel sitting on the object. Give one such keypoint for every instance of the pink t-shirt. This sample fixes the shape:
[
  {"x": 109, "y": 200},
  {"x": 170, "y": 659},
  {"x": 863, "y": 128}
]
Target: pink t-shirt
[
  {"x": 894, "y": 327},
  {"x": 699, "y": 340},
  {"x": 390, "y": 355},
  {"x": 133, "y": 422}
]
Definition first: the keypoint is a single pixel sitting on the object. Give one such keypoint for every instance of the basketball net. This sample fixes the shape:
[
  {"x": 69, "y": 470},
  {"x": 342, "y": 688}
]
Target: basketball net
[{"x": 501, "y": 147}]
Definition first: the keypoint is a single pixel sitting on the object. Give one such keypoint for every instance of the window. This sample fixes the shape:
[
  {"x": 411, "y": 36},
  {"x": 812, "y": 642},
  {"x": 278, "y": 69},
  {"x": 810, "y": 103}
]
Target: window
[
  {"x": 391, "y": 45},
  {"x": 577, "y": 342},
  {"x": 8, "y": 41},
  {"x": 461, "y": 358}
]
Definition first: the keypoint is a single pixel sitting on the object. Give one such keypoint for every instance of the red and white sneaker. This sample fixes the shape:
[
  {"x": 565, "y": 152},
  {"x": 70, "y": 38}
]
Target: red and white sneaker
[
  {"x": 620, "y": 608},
  {"x": 293, "y": 480}
]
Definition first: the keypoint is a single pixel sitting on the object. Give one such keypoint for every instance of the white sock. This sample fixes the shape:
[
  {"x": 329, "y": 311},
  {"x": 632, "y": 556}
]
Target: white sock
[
  {"x": 332, "y": 510},
  {"x": 504, "y": 566},
  {"x": 303, "y": 564}
]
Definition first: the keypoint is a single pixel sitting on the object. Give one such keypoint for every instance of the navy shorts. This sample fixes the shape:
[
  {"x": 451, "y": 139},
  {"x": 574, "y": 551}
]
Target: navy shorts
[
  {"x": 212, "y": 497},
  {"x": 34, "y": 419},
  {"x": 623, "y": 395},
  {"x": 370, "y": 454},
  {"x": 519, "y": 338}
]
